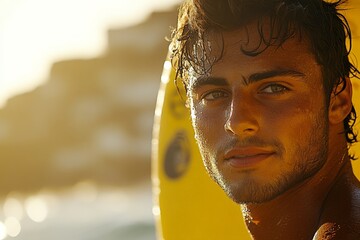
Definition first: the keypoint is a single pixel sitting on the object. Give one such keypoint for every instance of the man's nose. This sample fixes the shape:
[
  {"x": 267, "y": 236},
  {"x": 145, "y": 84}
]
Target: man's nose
[{"x": 241, "y": 119}]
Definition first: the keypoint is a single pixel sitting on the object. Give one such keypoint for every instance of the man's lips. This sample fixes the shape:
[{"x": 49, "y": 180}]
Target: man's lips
[{"x": 246, "y": 157}]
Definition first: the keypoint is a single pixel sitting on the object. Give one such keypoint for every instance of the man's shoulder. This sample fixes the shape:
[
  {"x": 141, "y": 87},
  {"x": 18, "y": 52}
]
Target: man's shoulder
[
  {"x": 335, "y": 231},
  {"x": 340, "y": 219}
]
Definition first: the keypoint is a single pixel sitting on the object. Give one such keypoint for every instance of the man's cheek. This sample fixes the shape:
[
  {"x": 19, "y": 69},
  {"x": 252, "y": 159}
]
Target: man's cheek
[
  {"x": 202, "y": 133},
  {"x": 197, "y": 122}
]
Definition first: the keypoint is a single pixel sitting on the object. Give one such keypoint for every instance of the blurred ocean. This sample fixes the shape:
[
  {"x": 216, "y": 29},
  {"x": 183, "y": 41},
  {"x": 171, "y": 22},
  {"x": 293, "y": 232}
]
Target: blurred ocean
[{"x": 83, "y": 212}]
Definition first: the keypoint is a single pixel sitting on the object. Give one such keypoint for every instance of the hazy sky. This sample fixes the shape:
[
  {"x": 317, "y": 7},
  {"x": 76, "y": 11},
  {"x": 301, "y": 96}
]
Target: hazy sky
[{"x": 35, "y": 33}]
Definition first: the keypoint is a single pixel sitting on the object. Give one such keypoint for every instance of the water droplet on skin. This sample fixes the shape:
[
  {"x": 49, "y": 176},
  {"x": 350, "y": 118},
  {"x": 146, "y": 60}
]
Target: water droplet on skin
[{"x": 247, "y": 217}]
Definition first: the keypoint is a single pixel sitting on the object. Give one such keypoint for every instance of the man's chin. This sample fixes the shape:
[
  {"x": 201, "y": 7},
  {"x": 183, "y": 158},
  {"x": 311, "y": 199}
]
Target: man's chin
[
  {"x": 251, "y": 193},
  {"x": 250, "y": 198},
  {"x": 250, "y": 190}
]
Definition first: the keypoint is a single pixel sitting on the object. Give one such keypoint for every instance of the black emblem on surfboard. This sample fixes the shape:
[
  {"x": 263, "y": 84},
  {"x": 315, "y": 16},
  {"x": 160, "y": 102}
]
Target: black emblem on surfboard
[{"x": 177, "y": 156}]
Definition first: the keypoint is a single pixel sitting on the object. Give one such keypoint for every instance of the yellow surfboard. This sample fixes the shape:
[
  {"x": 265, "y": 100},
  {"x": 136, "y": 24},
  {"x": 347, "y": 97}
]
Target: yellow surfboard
[{"x": 188, "y": 205}]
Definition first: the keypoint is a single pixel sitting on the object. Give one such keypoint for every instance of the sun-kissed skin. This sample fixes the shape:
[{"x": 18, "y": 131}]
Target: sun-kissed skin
[{"x": 270, "y": 138}]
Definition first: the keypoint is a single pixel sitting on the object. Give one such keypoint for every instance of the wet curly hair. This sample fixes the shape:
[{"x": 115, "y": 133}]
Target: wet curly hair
[{"x": 321, "y": 22}]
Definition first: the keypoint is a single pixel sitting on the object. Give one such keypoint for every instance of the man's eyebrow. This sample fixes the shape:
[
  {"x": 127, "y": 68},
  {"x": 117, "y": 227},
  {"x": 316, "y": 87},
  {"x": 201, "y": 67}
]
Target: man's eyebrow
[
  {"x": 219, "y": 81},
  {"x": 208, "y": 80},
  {"x": 273, "y": 73}
]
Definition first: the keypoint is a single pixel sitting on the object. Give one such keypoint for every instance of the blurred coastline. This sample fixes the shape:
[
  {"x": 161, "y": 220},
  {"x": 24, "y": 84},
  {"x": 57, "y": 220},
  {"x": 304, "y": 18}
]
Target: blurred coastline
[{"x": 76, "y": 150}]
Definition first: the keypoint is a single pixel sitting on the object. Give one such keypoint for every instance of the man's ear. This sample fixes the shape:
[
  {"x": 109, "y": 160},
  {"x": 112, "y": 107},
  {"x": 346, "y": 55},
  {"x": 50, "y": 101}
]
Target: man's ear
[{"x": 340, "y": 102}]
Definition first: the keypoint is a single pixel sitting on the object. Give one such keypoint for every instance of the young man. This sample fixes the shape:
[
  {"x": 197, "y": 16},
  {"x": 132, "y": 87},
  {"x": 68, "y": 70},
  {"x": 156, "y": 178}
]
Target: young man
[{"x": 270, "y": 97}]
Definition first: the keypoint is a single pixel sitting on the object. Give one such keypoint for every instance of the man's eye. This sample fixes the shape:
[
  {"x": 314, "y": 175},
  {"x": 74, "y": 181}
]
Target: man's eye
[
  {"x": 274, "y": 89},
  {"x": 211, "y": 96}
]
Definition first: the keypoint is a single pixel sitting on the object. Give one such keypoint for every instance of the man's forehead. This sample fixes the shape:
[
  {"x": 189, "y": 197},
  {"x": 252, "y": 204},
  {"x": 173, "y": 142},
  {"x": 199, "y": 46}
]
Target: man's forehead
[
  {"x": 273, "y": 61},
  {"x": 251, "y": 37}
]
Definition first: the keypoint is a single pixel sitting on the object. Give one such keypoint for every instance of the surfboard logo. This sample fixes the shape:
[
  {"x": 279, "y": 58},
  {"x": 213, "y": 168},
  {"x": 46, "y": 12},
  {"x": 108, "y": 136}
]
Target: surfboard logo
[{"x": 177, "y": 156}]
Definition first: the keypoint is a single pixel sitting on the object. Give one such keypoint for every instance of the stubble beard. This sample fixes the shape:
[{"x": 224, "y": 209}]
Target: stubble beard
[{"x": 307, "y": 159}]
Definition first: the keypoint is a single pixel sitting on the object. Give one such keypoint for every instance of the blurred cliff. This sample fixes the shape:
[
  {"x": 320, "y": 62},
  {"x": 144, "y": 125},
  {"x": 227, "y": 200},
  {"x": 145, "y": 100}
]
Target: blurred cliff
[{"x": 92, "y": 119}]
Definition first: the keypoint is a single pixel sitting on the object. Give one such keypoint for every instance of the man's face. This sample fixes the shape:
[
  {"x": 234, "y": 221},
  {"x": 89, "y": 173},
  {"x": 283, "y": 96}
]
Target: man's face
[{"x": 261, "y": 122}]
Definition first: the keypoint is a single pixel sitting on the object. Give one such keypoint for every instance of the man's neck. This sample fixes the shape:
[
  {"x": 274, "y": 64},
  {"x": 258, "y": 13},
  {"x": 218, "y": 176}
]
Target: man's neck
[{"x": 297, "y": 213}]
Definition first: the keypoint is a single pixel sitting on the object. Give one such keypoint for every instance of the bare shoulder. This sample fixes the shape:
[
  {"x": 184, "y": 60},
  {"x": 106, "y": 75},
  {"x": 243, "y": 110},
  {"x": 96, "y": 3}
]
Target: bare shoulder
[
  {"x": 341, "y": 216},
  {"x": 334, "y": 231}
]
